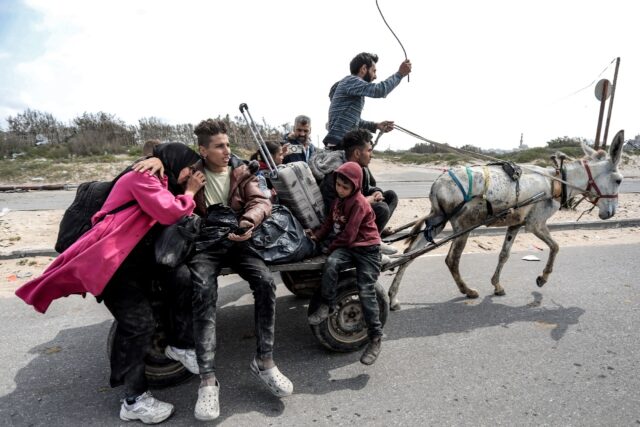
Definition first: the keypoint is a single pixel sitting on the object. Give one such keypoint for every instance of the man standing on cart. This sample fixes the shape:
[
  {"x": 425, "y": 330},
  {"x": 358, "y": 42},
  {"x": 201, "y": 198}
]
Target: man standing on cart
[{"x": 347, "y": 98}]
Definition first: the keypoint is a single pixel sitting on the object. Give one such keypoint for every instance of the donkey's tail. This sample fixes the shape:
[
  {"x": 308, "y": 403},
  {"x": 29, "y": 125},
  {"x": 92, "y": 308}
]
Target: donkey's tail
[
  {"x": 436, "y": 220},
  {"x": 415, "y": 231},
  {"x": 434, "y": 223}
]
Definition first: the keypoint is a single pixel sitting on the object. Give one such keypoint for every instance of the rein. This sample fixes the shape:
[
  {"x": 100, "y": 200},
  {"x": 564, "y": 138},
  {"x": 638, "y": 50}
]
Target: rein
[{"x": 586, "y": 192}]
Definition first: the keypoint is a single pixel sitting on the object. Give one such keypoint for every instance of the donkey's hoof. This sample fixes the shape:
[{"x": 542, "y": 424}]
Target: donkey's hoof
[
  {"x": 499, "y": 292},
  {"x": 472, "y": 293},
  {"x": 540, "y": 281},
  {"x": 395, "y": 305}
]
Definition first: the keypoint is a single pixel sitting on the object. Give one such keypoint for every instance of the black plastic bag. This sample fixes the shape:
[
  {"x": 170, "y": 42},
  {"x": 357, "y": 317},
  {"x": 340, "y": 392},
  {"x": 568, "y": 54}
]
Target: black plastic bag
[
  {"x": 219, "y": 222},
  {"x": 281, "y": 238},
  {"x": 176, "y": 242}
]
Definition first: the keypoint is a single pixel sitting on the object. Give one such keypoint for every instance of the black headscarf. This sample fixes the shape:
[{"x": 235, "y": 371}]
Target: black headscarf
[{"x": 175, "y": 157}]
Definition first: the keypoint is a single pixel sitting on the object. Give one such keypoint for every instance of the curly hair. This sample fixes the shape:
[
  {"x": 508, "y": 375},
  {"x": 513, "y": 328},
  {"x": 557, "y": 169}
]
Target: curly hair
[
  {"x": 355, "y": 139},
  {"x": 361, "y": 59},
  {"x": 208, "y": 128}
]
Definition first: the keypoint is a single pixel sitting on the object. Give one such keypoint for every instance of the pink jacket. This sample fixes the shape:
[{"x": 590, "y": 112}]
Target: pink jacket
[{"x": 89, "y": 264}]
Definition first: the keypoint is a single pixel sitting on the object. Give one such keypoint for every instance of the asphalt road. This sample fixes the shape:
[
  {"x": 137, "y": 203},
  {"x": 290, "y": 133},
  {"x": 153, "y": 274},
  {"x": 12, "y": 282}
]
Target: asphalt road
[
  {"x": 409, "y": 185},
  {"x": 565, "y": 354}
]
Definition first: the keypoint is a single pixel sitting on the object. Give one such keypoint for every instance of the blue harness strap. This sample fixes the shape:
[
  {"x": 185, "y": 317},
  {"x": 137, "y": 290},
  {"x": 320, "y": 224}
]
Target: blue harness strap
[{"x": 466, "y": 195}]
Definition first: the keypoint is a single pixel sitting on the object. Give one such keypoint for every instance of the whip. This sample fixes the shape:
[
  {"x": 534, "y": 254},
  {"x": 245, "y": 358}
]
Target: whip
[{"x": 392, "y": 32}]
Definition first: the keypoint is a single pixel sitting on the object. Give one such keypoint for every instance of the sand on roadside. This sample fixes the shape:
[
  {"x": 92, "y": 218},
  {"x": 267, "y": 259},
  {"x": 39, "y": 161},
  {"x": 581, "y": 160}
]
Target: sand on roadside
[{"x": 28, "y": 230}]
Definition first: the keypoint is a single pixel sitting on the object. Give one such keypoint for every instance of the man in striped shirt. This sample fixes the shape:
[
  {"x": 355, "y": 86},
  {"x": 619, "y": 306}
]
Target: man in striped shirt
[{"x": 347, "y": 98}]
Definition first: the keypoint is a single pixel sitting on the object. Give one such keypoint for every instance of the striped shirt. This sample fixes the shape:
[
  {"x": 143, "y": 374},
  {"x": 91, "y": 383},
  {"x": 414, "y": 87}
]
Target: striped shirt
[{"x": 347, "y": 102}]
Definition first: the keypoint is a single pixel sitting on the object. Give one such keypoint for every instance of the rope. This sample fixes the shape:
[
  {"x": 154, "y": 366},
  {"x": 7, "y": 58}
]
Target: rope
[
  {"x": 394, "y": 34},
  {"x": 482, "y": 156},
  {"x": 587, "y": 86}
]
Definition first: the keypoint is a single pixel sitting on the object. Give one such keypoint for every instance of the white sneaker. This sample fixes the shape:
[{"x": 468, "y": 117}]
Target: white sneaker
[
  {"x": 186, "y": 357},
  {"x": 208, "y": 404},
  {"x": 384, "y": 260},
  {"x": 147, "y": 409},
  {"x": 386, "y": 249},
  {"x": 275, "y": 380}
]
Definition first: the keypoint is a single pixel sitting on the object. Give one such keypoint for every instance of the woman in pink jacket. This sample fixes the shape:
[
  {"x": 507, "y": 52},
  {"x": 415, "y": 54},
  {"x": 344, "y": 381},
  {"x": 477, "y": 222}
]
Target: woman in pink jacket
[{"x": 114, "y": 261}]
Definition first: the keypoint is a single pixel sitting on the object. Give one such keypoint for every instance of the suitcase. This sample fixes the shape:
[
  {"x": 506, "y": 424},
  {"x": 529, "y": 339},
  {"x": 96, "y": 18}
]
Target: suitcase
[
  {"x": 294, "y": 182},
  {"x": 297, "y": 189}
]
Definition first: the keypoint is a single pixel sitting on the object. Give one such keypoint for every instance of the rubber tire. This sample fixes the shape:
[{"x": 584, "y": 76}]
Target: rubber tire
[
  {"x": 330, "y": 334},
  {"x": 302, "y": 284},
  {"x": 160, "y": 371}
]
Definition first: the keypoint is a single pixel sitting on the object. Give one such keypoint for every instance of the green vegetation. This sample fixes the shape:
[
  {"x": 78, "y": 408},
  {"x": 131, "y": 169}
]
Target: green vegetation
[
  {"x": 450, "y": 159},
  {"x": 34, "y": 134},
  {"x": 423, "y": 153},
  {"x": 36, "y": 144}
]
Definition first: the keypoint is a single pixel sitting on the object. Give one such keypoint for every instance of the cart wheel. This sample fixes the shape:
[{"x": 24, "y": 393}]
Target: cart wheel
[
  {"x": 159, "y": 370},
  {"x": 302, "y": 284},
  {"x": 345, "y": 330}
]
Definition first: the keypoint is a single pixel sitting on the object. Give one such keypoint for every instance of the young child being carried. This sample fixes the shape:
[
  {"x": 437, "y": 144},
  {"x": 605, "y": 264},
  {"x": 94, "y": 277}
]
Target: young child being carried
[{"x": 356, "y": 243}]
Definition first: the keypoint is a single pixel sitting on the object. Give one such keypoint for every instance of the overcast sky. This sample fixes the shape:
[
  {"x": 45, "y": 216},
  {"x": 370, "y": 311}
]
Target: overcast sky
[{"x": 483, "y": 71}]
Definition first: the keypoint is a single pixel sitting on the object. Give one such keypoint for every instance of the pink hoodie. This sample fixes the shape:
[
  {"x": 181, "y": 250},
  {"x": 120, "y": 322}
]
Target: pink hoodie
[{"x": 89, "y": 264}]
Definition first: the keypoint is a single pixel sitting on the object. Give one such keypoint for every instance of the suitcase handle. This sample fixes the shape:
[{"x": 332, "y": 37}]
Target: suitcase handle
[{"x": 262, "y": 146}]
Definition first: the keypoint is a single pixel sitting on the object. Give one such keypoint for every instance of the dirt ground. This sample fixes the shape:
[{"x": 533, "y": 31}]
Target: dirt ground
[{"x": 22, "y": 230}]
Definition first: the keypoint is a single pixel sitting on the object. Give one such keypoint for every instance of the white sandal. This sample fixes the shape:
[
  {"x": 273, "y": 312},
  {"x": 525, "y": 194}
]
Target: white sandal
[
  {"x": 208, "y": 404},
  {"x": 275, "y": 380}
]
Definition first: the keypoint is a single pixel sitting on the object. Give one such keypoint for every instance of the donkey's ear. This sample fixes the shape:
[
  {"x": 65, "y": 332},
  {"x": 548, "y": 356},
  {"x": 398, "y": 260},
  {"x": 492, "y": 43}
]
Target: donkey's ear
[
  {"x": 590, "y": 152},
  {"x": 615, "y": 151}
]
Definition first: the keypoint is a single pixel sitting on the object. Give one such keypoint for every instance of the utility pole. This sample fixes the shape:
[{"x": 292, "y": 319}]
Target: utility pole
[
  {"x": 613, "y": 93},
  {"x": 602, "y": 93}
]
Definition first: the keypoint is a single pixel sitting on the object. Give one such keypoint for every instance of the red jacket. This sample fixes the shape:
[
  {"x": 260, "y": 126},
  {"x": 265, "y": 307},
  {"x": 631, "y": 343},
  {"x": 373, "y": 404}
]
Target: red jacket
[{"x": 351, "y": 218}]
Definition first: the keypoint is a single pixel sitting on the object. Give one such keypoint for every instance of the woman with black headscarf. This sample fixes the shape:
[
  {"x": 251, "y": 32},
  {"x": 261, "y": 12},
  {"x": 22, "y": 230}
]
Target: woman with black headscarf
[{"x": 114, "y": 261}]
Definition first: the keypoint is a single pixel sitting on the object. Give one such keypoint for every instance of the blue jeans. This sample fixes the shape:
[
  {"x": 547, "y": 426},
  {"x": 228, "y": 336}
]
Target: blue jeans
[{"x": 366, "y": 260}]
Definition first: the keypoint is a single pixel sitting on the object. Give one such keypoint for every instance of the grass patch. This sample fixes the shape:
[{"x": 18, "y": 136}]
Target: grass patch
[
  {"x": 540, "y": 156},
  {"x": 67, "y": 170}
]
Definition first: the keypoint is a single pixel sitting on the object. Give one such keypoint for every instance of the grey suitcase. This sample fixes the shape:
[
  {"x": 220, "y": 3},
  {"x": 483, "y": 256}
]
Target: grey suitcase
[
  {"x": 297, "y": 189},
  {"x": 294, "y": 182}
]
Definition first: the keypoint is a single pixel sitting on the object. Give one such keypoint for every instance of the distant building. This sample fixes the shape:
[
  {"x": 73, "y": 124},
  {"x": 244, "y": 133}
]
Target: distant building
[{"x": 522, "y": 145}]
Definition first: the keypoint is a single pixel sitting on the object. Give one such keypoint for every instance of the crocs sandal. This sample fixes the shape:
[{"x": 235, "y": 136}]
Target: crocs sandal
[
  {"x": 277, "y": 383},
  {"x": 208, "y": 404}
]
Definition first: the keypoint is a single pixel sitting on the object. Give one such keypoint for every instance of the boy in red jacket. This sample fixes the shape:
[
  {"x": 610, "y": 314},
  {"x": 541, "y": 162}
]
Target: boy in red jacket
[{"x": 356, "y": 243}]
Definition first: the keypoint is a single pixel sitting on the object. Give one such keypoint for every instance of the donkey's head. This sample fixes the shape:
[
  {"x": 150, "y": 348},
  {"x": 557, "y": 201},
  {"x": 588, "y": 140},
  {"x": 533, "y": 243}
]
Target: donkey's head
[{"x": 602, "y": 188}]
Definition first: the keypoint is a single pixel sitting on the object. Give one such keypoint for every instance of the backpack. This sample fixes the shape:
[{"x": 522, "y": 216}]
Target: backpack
[{"x": 76, "y": 220}]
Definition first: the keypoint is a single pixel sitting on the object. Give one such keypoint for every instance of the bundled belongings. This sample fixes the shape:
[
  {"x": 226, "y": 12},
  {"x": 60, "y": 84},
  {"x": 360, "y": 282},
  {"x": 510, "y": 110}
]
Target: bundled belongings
[
  {"x": 219, "y": 222},
  {"x": 281, "y": 238},
  {"x": 325, "y": 162},
  {"x": 176, "y": 242}
]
